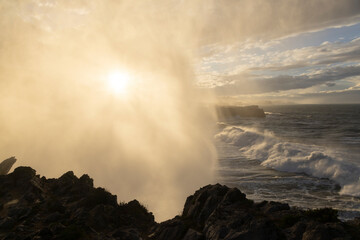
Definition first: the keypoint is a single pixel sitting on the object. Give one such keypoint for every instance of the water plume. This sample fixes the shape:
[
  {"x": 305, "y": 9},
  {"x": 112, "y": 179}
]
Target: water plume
[{"x": 150, "y": 141}]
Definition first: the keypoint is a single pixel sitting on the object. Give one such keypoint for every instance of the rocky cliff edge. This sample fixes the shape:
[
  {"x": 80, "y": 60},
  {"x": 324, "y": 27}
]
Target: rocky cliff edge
[{"x": 33, "y": 207}]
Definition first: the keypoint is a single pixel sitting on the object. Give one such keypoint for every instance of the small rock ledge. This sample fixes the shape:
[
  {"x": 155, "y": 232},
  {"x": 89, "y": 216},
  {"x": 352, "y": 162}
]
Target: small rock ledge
[{"x": 33, "y": 207}]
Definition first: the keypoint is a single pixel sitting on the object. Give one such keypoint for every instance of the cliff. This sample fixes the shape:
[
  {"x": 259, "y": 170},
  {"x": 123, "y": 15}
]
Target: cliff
[
  {"x": 34, "y": 207},
  {"x": 226, "y": 112}
]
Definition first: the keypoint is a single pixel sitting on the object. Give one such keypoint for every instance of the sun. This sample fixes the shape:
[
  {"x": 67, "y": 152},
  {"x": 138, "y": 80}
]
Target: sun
[{"x": 118, "y": 82}]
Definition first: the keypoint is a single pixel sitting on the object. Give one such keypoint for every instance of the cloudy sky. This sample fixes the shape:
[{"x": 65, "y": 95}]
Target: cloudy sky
[{"x": 283, "y": 52}]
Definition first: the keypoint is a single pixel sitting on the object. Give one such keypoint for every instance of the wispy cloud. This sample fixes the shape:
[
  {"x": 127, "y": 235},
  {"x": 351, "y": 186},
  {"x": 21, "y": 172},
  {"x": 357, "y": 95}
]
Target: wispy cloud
[
  {"x": 253, "y": 84},
  {"x": 234, "y": 20},
  {"x": 316, "y": 68},
  {"x": 326, "y": 53}
]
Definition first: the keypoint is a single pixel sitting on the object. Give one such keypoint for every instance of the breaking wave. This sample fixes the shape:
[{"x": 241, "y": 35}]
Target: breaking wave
[{"x": 275, "y": 153}]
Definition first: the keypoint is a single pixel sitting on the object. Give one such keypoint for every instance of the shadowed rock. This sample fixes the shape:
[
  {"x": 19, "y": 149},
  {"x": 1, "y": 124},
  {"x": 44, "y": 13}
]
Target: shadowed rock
[
  {"x": 6, "y": 165},
  {"x": 216, "y": 212},
  {"x": 33, "y": 207}
]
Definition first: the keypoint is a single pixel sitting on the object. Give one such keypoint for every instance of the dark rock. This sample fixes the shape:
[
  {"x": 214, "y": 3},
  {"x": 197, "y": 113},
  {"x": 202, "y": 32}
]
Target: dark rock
[
  {"x": 193, "y": 235},
  {"x": 7, "y": 223},
  {"x": 323, "y": 215},
  {"x": 325, "y": 232},
  {"x": 99, "y": 196},
  {"x": 54, "y": 205},
  {"x": 71, "y": 208},
  {"x": 100, "y": 217},
  {"x": 271, "y": 207},
  {"x": 234, "y": 195},
  {"x": 10, "y": 236},
  {"x": 353, "y": 227},
  {"x": 53, "y": 217},
  {"x": 45, "y": 233},
  {"x": 174, "y": 229},
  {"x": 85, "y": 179},
  {"x": 56, "y": 227},
  {"x": 217, "y": 212},
  {"x": 72, "y": 231},
  {"x": 23, "y": 173},
  {"x": 79, "y": 215},
  {"x": 140, "y": 215},
  {"x": 296, "y": 231},
  {"x": 200, "y": 206},
  {"x": 131, "y": 234},
  {"x": 68, "y": 178},
  {"x": 65, "y": 208}
]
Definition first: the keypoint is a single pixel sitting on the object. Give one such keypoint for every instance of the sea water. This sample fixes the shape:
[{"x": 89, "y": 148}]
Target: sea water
[{"x": 304, "y": 155}]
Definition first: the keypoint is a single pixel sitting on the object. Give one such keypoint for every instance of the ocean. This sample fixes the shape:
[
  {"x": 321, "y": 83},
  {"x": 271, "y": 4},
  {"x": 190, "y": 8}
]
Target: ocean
[{"x": 304, "y": 155}]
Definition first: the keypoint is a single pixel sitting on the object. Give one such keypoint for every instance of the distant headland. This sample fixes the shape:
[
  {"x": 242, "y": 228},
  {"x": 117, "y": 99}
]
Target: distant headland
[{"x": 226, "y": 111}]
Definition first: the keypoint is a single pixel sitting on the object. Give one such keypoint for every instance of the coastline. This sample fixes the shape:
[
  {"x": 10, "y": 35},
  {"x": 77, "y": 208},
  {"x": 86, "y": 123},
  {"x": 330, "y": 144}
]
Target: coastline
[{"x": 72, "y": 208}]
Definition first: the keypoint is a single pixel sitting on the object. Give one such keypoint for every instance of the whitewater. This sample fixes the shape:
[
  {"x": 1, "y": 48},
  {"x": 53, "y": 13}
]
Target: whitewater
[{"x": 307, "y": 155}]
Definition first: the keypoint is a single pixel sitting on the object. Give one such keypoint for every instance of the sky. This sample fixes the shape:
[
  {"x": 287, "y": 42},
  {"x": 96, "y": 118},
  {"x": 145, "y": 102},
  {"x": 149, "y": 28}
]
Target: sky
[{"x": 315, "y": 62}]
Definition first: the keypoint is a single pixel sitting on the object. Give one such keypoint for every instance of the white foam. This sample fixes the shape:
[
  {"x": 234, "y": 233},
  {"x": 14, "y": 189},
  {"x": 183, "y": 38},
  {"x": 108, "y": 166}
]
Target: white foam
[
  {"x": 272, "y": 113},
  {"x": 287, "y": 156}
]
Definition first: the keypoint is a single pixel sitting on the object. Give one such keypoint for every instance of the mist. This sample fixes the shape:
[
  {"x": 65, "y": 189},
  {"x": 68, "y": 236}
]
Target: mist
[{"x": 151, "y": 141}]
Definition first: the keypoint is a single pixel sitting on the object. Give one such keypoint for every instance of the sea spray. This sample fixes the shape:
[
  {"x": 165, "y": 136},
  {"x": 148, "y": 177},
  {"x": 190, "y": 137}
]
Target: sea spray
[
  {"x": 282, "y": 155},
  {"x": 151, "y": 140}
]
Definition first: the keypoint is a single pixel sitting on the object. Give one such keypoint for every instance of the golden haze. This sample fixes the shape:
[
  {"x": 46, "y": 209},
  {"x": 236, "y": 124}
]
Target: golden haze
[{"x": 106, "y": 88}]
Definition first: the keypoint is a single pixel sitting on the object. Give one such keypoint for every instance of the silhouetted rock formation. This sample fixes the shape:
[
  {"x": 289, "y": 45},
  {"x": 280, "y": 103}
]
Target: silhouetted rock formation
[
  {"x": 66, "y": 208},
  {"x": 6, "y": 165},
  {"x": 217, "y": 212},
  {"x": 71, "y": 208},
  {"x": 226, "y": 112}
]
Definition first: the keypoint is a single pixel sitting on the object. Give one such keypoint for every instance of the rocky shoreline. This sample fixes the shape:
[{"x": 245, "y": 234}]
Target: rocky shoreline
[{"x": 34, "y": 207}]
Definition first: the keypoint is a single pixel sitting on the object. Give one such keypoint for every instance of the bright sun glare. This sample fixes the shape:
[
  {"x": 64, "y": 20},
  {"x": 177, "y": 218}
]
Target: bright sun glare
[{"x": 118, "y": 81}]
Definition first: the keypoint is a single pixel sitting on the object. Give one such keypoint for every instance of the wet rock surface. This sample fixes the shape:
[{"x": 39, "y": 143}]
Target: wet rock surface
[{"x": 33, "y": 207}]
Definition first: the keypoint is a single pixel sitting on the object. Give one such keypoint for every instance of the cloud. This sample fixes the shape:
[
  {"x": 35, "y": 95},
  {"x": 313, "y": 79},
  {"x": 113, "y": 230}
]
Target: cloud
[
  {"x": 330, "y": 84},
  {"x": 246, "y": 72},
  {"x": 233, "y": 20},
  {"x": 335, "y": 97},
  {"x": 276, "y": 60},
  {"x": 252, "y": 84},
  {"x": 325, "y": 54}
]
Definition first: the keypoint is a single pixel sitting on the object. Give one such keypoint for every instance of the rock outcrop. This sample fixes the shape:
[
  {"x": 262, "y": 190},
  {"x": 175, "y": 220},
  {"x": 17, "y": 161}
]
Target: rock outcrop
[
  {"x": 217, "y": 212},
  {"x": 33, "y": 207},
  {"x": 228, "y": 112},
  {"x": 6, "y": 165},
  {"x": 66, "y": 208}
]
